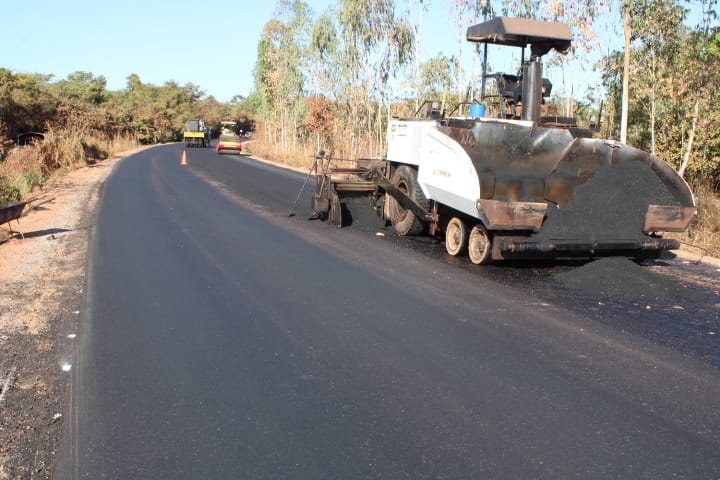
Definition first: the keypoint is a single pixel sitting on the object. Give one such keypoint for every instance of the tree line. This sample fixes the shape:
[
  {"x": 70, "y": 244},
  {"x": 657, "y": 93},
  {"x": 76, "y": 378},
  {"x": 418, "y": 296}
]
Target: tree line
[{"x": 81, "y": 105}]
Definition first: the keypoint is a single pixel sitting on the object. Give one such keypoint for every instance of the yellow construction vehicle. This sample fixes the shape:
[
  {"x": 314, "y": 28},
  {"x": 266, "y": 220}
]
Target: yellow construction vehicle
[{"x": 196, "y": 134}]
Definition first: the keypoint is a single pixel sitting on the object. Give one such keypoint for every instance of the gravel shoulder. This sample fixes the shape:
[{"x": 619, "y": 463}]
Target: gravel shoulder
[{"x": 42, "y": 277}]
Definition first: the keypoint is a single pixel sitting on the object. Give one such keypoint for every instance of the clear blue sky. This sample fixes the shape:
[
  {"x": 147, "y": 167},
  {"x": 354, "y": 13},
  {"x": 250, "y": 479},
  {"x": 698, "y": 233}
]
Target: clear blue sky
[
  {"x": 181, "y": 40},
  {"x": 209, "y": 44}
]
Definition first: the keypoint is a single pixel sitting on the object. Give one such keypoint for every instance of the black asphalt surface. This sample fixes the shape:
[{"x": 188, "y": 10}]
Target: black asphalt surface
[{"x": 223, "y": 339}]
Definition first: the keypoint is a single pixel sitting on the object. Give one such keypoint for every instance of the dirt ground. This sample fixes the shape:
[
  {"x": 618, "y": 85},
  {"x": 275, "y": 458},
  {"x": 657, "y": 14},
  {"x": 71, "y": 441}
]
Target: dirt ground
[{"x": 41, "y": 280}]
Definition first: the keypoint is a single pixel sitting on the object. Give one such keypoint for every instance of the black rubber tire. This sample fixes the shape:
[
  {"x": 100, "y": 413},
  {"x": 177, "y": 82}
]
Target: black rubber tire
[
  {"x": 456, "y": 237},
  {"x": 405, "y": 222},
  {"x": 335, "y": 216}
]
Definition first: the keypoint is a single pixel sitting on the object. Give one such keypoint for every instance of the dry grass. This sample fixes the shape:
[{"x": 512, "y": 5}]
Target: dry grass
[
  {"x": 21, "y": 170},
  {"x": 28, "y": 168},
  {"x": 120, "y": 144},
  {"x": 62, "y": 151},
  {"x": 101, "y": 147},
  {"x": 297, "y": 155},
  {"x": 705, "y": 231},
  {"x": 302, "y": 154}
]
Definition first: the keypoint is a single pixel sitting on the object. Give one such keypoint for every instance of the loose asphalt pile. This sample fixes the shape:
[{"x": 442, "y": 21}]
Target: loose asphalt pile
[
  {"x": 359, "y": 213},
  {"x": 619, "y": 278}
]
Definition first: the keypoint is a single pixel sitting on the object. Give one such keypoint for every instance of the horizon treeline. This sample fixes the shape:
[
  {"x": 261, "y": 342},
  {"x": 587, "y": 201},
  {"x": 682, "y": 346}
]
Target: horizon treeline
[{"x": 82, "y": 105}]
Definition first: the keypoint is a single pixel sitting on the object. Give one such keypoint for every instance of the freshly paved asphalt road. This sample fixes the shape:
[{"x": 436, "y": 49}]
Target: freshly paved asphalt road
[{"x": 222, "y": 339}]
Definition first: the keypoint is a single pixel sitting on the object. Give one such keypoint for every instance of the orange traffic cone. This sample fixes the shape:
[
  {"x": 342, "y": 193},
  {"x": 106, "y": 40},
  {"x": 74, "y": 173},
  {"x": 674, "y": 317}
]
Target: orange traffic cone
[{"x": 183, "y": 160}]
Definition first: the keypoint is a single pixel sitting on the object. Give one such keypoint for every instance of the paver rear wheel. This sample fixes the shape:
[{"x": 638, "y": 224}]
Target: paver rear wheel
[{"x": 479, "y": 245}]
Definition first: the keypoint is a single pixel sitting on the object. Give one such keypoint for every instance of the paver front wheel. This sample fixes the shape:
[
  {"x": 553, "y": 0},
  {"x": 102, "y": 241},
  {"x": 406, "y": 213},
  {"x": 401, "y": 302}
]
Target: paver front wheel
[{"x": 403, "y": 220}]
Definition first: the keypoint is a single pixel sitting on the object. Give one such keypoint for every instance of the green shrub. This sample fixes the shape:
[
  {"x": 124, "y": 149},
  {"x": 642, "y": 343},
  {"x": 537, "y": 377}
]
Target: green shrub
[
  {"x": 26, "y": 181},
  {"x": 8, "y": 191}
]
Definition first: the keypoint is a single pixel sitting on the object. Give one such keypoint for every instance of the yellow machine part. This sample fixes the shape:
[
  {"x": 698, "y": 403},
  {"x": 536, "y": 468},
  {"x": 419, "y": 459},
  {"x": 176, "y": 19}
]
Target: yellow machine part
[{"x": 194, "y": 134}]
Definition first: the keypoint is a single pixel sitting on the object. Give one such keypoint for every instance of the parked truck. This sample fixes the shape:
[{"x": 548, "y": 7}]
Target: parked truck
[{"x": 516, "y": 184}]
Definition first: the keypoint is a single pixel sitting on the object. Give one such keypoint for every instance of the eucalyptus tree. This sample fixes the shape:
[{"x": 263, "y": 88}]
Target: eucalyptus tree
[
  {"x": 375, "y": 42},
  {"x": 417, "y": 9},
  {"x": 327, "y": 84},
  {"x": 360, "y": 46},
  {"x": 658, "y": 26},
  {"x": 639, "y": 18},
  {"x": 279, "y": 70},
  {"x": 324, "y": 72},
  {"x": 675, "y": 107},
  {"x": 689, "y": 132},
  {"x": 625, "y": 12},
  {"x": 394, "y": 53},
  {"x": 617, "y": 66},
  {"x": 672, "y": 70},
  {"x": 438, "y": 74},
  {"x": 463, "y": 14},
  {"x": 706, "y": 55}
]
